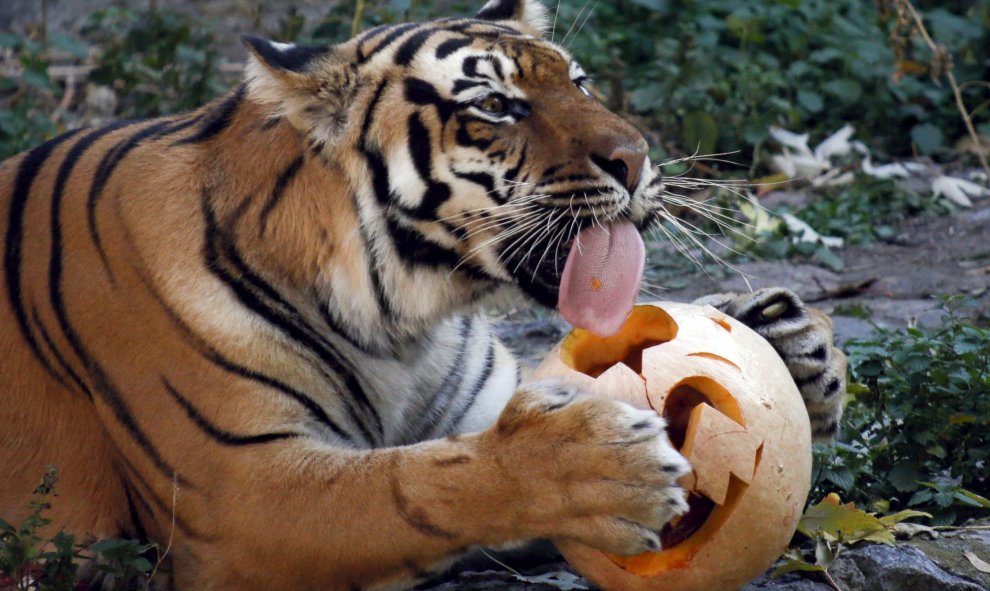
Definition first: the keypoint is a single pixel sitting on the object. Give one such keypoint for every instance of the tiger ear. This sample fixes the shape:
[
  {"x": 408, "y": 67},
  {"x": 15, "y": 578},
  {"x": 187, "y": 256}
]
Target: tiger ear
[
  {"x": 530, "y": 12},
  {"x": 312, "y": 87}
]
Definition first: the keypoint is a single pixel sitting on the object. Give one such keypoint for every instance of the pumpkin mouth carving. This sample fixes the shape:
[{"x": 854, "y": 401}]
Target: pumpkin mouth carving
[{"x": 704, "y": 422}]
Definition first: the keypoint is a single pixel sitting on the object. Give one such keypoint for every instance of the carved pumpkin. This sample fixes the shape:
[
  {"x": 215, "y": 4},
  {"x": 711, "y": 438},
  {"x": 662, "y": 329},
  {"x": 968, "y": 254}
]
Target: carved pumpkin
[{"x": 733, "y": 411}]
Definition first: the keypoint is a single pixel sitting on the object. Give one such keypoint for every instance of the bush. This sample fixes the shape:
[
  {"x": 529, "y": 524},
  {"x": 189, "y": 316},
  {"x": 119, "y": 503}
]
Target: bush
[
  {"x": 713, "y": 76},
  {"x": 917, "y": 430},
  {"x": 158, "y": 62},
  {"x": 30, "y": 562}
]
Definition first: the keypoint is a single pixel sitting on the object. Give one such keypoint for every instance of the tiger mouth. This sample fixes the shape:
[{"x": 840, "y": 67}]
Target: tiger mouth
[
  {"x": 538, "y": 268},
  {"x": 539, "y": 271}
]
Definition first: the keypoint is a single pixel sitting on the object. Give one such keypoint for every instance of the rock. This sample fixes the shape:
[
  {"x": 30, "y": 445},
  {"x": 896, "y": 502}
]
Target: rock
[
  {"x": 885, "y": 568},
  {"x": 947, "y": 551}
]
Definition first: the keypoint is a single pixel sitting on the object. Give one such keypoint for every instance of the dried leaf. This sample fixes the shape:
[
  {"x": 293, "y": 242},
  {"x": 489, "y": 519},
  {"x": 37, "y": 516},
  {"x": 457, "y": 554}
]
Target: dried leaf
[
  {"x": 906, "y": 531},
  {"x": 978, "y": 563},
  {"x": 794, "y": 561},
  {"x": 843, "y": 523},
  {"x": 895, "y": 518}
]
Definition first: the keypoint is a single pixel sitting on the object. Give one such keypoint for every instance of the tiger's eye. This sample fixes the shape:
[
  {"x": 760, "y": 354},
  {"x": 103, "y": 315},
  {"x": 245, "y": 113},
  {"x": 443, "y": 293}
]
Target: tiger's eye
[{"x": 494, "y": 104}]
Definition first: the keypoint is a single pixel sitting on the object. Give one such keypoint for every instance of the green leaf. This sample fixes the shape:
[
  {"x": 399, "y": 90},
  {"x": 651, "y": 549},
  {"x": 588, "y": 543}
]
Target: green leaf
[
  {"x": 845, "y": 89},
  {"x": 974, "y": 499},
  {"x": 904, "y": 476},
  {"x": 927, "y": 137},
  {"x": 70, "y": 45},
  {"x": 829, "y": 259},
  {"x": 37, "y": 79},
  {"x": 841, "y": 477},
  {"x": 811, "y": 101},
  {"x": 700, "y": 132}
]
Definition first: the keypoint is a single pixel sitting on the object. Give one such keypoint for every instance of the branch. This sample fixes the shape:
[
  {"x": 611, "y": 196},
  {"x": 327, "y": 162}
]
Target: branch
[{"x": 941, "y": 51}]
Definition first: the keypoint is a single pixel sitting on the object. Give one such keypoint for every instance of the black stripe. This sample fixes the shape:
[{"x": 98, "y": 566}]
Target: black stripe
[
  {"x": 463, "y": 84},
  {"x": 480, "y": 178},
  {"x": 464, "y": 137},
  {"x": 139, "y": 532},
  {"x": 832, "y": 388},
  {"x": 216, "y": 358},
  {"x": 380, "y": 185},
  {"x": 809, "y": 379},
  {"x": 431, "y": 416},
  {"x": 497, "y": 66},
  {"x": 448, "y": 47},
  {"x": 98, "y": 377},
  {"x": 53, "y": 349},
  {"x": 138, "y": 482},
  {"x": 279, "y": 190},
  {"x": 421, "y": 92},
  {"x": 421, "y": 149},
  {"x": 515, "y": 170},
  {"x": 418, "y": 250},
  {"x": 253, "y": 291},
  {"x": 109, "y": 163},
  {"x": 407, "y": 51},
  {"x": 478, "y": 386},
  {"x": 219, "y": 435},
  {"x": 26, "y": 173},
  {"x": 220, "y": 117},
  {"x": 389, "y": 39}
]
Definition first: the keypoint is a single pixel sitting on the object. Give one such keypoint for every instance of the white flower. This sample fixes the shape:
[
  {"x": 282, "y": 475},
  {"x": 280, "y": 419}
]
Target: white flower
[
  {"x": 893, "y": 170},
  {"x": 836, "y": 144},
  {"x": 804, "y": 233},
  {"x": 958, "y": 191}
]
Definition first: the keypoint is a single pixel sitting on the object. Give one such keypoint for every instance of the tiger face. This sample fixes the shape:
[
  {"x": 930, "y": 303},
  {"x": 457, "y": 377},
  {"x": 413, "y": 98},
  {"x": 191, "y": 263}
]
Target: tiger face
[{"x": 478, "y": 151}]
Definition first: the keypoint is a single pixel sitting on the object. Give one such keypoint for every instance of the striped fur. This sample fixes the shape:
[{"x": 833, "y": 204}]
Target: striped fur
[{"x": 250, "y": 329}]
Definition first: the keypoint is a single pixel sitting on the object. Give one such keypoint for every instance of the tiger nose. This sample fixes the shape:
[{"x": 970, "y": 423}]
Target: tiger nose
[{"x": 625, "y": 164}]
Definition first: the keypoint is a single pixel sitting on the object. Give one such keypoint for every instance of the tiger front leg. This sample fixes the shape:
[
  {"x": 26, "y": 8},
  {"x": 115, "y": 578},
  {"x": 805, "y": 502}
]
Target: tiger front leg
[{"x": 556, "y": 465}]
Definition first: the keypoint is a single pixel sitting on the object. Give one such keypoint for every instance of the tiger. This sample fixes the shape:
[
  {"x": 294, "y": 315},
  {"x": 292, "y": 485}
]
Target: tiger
[{"x": 254, "y": 333}]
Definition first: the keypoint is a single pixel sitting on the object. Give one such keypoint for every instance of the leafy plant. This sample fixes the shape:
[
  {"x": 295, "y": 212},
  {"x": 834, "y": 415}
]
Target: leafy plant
[
  {"x": 711, "y": 76},
  {"x": 29, "y": 96},
  {"x": 31, "y": 562},
  {"x": 916, "y": 432},
  {"x": 158, "y": 61}
]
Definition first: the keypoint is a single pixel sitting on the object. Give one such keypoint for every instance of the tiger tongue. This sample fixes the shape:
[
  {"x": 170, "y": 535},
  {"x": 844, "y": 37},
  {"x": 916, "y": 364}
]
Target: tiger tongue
[{"x": 601, "y": 277}]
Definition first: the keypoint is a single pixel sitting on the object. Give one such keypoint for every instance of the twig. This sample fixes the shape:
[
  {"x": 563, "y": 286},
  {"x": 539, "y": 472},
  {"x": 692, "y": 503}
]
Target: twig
[
  {"x": 940, "y": 50},
  {"x": 358, "y": 17},
  {"x": 171, "y": 533},
  {"x": 831, "y": 581}
]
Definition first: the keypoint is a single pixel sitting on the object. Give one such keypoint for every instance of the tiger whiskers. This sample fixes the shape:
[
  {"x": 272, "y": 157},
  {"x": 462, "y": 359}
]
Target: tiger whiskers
[{"x": 563, "y": 42}]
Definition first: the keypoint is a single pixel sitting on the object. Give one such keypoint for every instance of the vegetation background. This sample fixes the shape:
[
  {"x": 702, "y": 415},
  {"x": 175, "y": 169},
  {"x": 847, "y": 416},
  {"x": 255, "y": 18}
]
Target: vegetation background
[{"x": 697, "y": 77}]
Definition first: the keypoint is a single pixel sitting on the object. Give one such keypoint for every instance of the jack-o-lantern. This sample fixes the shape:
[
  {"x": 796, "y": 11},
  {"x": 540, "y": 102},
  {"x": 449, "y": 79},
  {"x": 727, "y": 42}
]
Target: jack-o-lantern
[{"x": 733, "y": 411}]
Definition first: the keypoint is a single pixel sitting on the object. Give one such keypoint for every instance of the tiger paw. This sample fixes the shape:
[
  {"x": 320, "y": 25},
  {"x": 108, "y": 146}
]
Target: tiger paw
[
  {"x": 803, "y": 337},
  {"x": 591, "y": 469}
]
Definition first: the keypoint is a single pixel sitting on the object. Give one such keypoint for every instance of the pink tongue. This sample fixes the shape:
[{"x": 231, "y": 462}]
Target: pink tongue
[{"x": 601, "y": 278}]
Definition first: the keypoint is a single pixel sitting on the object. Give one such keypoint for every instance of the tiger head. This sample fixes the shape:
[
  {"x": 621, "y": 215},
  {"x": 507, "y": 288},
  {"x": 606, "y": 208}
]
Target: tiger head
[{"x": 477, "y": 157}]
